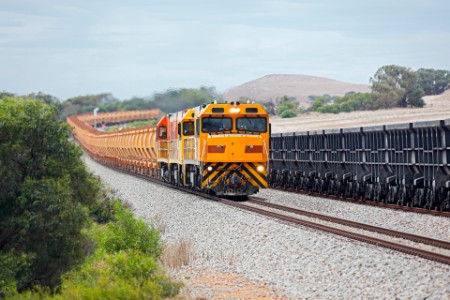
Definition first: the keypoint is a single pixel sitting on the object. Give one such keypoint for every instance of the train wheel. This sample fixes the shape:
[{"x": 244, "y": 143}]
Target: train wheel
[
  {"x": 431, "y": 199},
  {"x": 440, "y": 200},
  {"x": 348, "y": 189},
  {"x": 356, "y": 190},
  {"x": 297, "y": 183},
  {"x": 324, "y": 186},
  {"x": 445, "y": 203},
  {"x": 181, "y": 179},
  {"x": 367, "y": 192},
  {"x": 198, "y": 184},
  {"x": 330, "y": 187},
  {"x": 401, "y": 196},
  {"x": 418, "y": 198},
  {"x": 377, "y": 193},
  {"x": 391, "y": 195},
  {"x": 304, "y": 184},
  {"x": 316, "y": 185}
]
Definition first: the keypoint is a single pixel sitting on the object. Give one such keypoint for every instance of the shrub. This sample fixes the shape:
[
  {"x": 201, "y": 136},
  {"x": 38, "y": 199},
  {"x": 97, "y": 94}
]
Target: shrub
[
  {"x": 287, "y": 106},
  {"x": 102, "y": 211},
  {"x": 44, "y": 194},
  {"x": 122, "y": 275},
  {"x": 288, "y": 114},
  {"x": 127, "y": 232},
  {"x": 124, "y": 265},
  {"x": 128, "y": 270}
]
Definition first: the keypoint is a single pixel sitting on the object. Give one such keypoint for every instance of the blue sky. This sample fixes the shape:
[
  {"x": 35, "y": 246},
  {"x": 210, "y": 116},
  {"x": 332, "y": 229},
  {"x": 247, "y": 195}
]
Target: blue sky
[{"x": 135, "y": 48}]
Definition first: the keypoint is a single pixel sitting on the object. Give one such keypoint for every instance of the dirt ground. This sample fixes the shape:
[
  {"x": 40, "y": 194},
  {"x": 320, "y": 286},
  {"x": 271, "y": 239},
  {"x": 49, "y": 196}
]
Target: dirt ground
[
  {"x": 207, "y": 284},
  {"x": 436, "y": 108}
]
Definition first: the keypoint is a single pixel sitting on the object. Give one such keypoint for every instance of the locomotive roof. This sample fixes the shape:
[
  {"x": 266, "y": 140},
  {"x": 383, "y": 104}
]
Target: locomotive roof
[{"x": 231, "y": 108}]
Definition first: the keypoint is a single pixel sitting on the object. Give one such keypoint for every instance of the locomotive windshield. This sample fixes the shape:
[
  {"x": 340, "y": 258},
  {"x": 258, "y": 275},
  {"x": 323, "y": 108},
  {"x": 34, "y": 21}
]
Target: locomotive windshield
[
  {"x": 216, "y": 124},
  {"x": 162, "y": 132},
  {"x": 252, "y": 124},
  {"x": 188, "y": 128}
]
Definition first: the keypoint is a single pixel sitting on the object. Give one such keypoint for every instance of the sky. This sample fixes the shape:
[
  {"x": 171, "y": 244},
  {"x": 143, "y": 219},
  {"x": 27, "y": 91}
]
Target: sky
[{"x": 135, "y": 48}]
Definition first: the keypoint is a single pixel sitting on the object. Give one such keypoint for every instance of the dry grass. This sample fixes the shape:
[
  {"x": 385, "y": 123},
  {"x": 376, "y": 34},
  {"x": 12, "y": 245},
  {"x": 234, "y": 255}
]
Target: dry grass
[
  {"x": 436, "y": 108},
  {"x": 160, "y": 223},
  {"x": 178, "y": 254}
]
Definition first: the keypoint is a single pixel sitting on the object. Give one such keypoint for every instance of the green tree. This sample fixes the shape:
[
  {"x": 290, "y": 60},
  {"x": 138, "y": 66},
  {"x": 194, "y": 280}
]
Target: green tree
[
  {"x": 433, "y": 82},
  {"x": 43, "y": 188},
  {"x": 350, "y": 102},
  {"x": 320, "y": 102},
  {"x": 137, "y": 104},
  {"x": 288, "y": 113},
  {"x": 4, "y": 94},
  {"x": 86, "y": 104},
  {"x": 396, "y": 86},
  {"x": 178, "y": 99},
  {"x": 49, "y": 99},
  {"x": 291, "y": 106}
]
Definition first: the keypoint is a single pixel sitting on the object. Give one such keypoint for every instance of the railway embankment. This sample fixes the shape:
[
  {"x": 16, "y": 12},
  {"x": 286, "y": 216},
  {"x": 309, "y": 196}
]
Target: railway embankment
[{"x": 232, "y": 251}]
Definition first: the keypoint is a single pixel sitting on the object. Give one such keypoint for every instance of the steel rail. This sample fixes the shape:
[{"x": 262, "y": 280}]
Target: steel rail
[
  {"x": 381, "y": 230},
  {"x": 445, "y": 214},
  {"x": 352, "y": 235}
]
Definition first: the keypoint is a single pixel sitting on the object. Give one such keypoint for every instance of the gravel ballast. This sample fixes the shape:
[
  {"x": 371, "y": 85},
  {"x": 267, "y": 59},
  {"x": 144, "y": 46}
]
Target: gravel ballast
[{"x": 299, "y": 262}]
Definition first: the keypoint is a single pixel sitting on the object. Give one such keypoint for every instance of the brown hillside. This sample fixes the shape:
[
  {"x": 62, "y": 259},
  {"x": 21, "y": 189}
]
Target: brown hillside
[
  {"x": 436, "y": 108},
  {"x": 272, "y": 87}
]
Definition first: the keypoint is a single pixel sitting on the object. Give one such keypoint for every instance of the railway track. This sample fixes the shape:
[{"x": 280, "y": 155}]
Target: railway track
[
  {"x": 418, "y": 210},
  {"x": 397, "y": 234},
  {"x": 248, "y": 206},
  {"x": 442, "y": 258}
]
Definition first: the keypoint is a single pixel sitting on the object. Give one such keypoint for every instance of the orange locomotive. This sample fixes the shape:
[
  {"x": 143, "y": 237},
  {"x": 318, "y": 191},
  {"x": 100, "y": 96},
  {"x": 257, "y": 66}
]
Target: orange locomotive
[{"x": 220, "y": 148}]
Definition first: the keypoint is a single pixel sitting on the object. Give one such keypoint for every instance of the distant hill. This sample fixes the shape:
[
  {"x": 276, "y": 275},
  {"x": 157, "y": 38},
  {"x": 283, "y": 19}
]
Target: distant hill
[{"x": 273, "y": 87}]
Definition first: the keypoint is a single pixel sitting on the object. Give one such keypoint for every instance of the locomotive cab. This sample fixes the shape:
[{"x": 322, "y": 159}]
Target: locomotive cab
[
  {"x": 162, "y": 129},
  {"x": 188, "y": 143}
]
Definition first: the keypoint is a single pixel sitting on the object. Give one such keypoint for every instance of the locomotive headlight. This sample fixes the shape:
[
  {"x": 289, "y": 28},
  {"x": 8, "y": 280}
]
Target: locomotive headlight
[
  {"x": 235, "y": 110},
  {"x": 260, "y": 168},
  {"x": 209, "y": 168}
]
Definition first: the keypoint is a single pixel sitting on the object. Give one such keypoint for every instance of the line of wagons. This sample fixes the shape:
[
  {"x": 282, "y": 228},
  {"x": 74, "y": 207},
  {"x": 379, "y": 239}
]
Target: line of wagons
[{"x": 407, "y": 164}]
